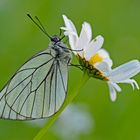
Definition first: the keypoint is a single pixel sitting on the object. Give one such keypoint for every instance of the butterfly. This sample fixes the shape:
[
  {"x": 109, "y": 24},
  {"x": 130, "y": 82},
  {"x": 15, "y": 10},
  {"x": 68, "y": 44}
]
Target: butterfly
[{"x": 39, "y": 88}]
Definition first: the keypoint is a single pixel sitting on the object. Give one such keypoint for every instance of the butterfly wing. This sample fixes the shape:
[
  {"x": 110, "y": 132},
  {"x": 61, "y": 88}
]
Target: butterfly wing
[
  {"x": 5, "y": 109},
  {"x": 57, "y": 89},
  {"x": 37, "y": 90}
]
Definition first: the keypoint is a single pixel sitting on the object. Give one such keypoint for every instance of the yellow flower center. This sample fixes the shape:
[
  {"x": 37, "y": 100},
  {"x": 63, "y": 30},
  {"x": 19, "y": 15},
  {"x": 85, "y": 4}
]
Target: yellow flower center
[
  {"x": 89, "y": 67},
  {"x": 96, "y": 58}
]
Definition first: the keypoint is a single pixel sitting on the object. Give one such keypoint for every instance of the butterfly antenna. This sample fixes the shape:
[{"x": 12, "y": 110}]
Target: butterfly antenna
[{"x": 40, "y": 26}]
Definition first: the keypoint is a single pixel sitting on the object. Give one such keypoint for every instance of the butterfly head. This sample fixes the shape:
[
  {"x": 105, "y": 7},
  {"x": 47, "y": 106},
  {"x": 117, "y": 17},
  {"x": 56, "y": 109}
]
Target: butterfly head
[{"x": 55, "y": 39}]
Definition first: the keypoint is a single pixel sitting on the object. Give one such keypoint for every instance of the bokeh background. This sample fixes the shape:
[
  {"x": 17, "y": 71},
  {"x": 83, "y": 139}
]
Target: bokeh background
[{"x": 119, "y": 23}]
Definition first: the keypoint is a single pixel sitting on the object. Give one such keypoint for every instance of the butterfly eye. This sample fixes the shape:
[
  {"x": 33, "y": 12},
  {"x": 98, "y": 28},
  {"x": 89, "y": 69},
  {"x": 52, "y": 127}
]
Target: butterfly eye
[{"x": 55, "y": 39}]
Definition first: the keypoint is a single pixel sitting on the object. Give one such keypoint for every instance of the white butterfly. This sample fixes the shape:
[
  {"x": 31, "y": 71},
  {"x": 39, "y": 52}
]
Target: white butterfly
[{"x": 38, "y": 89}]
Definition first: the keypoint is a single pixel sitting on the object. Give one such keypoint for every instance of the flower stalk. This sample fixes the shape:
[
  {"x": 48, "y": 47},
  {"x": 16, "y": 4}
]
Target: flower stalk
[{"x": 69, "y": 98}]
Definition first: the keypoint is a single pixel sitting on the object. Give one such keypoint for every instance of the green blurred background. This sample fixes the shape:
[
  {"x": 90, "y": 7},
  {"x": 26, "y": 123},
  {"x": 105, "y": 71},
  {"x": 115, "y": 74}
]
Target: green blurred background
[{"x": 119, "y": 23}]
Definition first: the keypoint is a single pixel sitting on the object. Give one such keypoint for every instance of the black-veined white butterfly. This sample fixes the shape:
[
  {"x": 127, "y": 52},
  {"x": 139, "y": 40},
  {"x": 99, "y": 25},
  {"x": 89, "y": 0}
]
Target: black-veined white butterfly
[{"x": 38, "y": 89}]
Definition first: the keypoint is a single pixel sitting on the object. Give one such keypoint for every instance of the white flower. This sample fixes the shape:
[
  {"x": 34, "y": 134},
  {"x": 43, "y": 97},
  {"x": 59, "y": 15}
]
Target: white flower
[
  {"x": 121, "y": 74},
  {"x": 97, "y": 61}
]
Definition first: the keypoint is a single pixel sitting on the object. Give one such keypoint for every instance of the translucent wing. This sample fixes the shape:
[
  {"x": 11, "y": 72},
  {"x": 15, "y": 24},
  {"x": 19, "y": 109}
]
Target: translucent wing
[
  {"x": 5, "y": 109},
  {"x": 56, "y": 86},
  {"x": 37, "y": 90}
]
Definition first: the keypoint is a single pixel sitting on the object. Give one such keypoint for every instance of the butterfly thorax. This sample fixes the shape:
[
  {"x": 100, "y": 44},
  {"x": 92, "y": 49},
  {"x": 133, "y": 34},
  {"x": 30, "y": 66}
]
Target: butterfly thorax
[{"x": 61, "y": 50}]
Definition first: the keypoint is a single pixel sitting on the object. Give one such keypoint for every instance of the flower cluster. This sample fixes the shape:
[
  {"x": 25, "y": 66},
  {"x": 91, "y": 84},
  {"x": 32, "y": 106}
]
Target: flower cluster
[{"x": 96, "y": 61}]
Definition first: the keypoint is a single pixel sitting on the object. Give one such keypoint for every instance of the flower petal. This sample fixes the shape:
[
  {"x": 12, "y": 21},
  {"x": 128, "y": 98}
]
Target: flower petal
[
  {"x": 88, "y": 30},
  {"x": 93, "y": 47},
  {"x": 113, "y": 94},
  {"x": 69, "y": 25},
  {"x": 116, "y": 86},
  {"x": 84, "y": 38},
  {"x": 70, "y": 30},
  {"x": 125, "y": 71},
  {"x": 106, "y": 58},
  {"x": 103, "y": 67},
  {"x": 67, "y": 32},
  {"x": 132, "y": 82}
]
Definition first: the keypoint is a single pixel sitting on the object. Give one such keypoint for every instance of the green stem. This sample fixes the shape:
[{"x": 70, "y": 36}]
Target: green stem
[{"x": 69, "y": 98}]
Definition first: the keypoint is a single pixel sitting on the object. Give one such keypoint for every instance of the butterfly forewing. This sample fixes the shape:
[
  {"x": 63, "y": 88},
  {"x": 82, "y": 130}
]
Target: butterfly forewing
[{"x": 37, "y": 90}]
